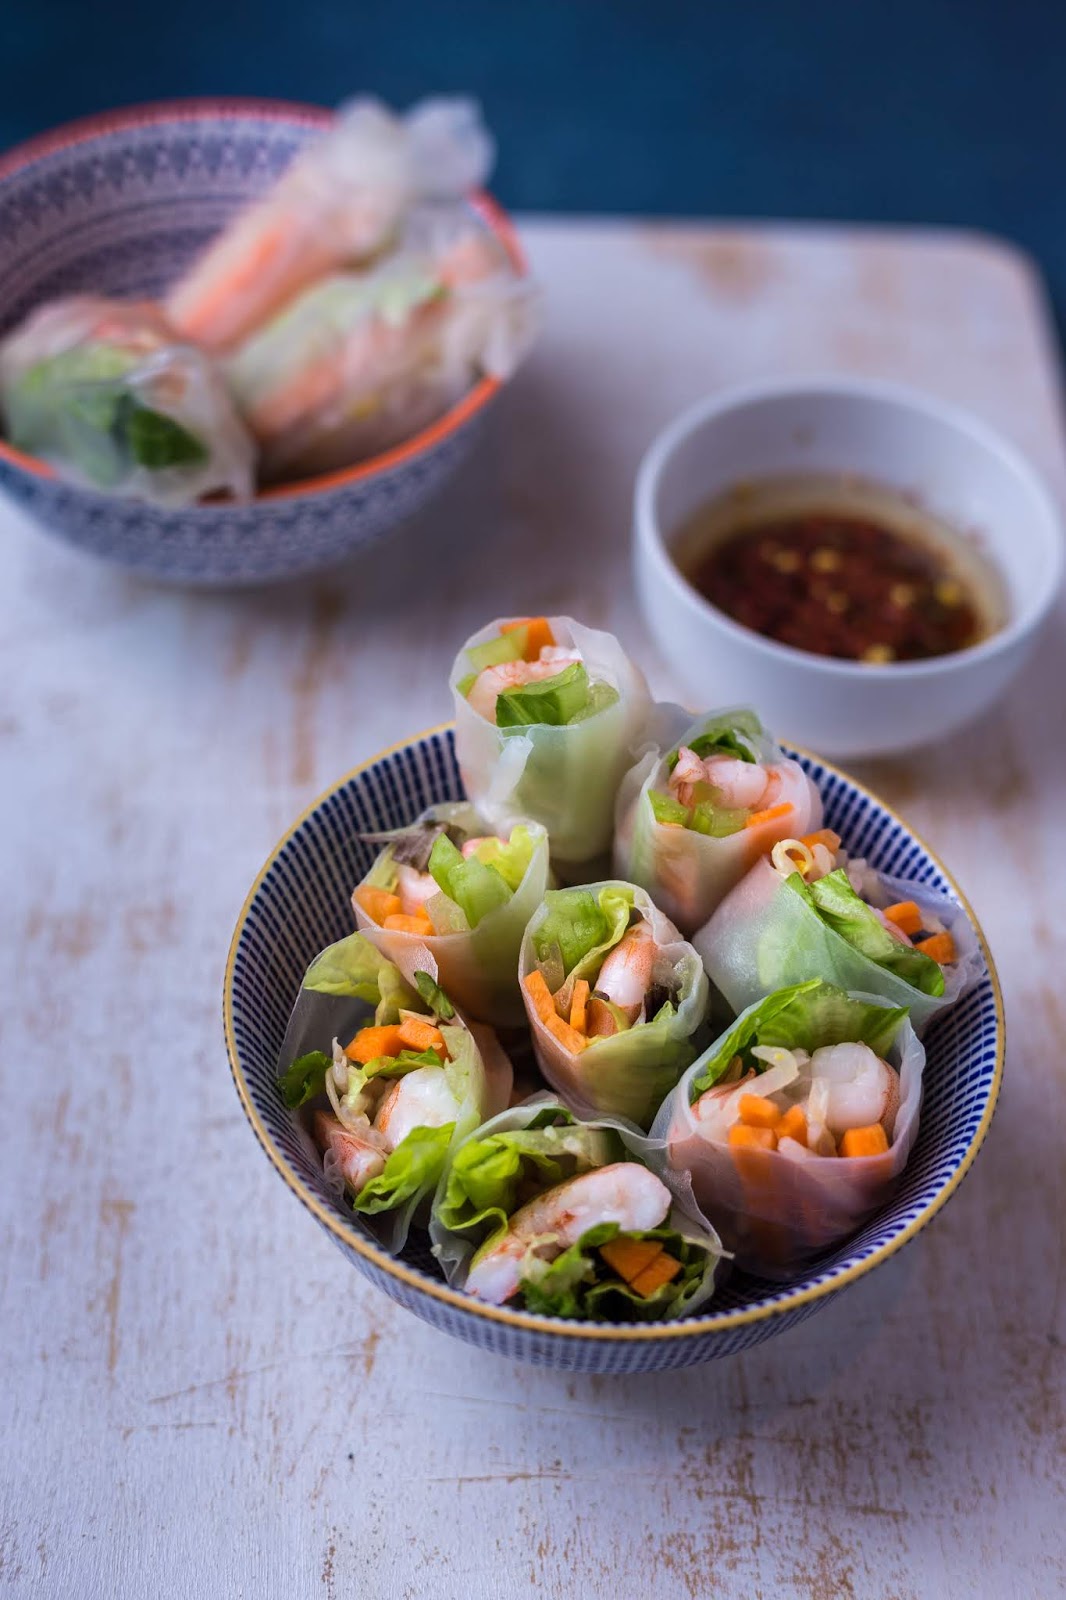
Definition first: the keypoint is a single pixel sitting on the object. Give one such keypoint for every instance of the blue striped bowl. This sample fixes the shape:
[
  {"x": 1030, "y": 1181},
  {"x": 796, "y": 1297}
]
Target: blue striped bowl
[{"x": 300, "y": 902}]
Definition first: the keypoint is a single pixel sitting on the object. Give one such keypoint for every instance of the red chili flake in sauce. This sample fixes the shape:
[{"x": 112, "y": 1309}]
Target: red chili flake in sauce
[{"x": 840, "y": 585}]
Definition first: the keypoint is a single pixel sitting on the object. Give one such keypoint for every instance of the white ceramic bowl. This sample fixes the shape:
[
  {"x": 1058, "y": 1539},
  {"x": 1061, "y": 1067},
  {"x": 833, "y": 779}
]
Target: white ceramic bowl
[{"x": 952, "y": 464}]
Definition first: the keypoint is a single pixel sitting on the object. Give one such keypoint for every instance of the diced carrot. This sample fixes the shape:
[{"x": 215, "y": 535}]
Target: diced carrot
[
  {"x": 539, "y": 635},
  {"x": 630, "y": 1257},
  {"x": 758, "y": 1112},
  {"x": 421, "y": 1036},
  {"x": 567, "y": 1036},
  {"x": 941, "y": 946},
  {"x": 540, "y": 996},
  {"x": 771, "y": 814},
  {"x": 906, "y": 915},
  {"x": 369, "y": 1043},
  {"x": 378, "y": 903},
  {"x": 402, "y": 924},
  {"x": 579, "y": 1006},
  {"x": 793, "y": 1125},
  {"x": 824, "y": 836},
  {"x": 662, "y": 1270},
  {"x": 745, "y": 1138},
  {"x": 871, "y": 1141}
]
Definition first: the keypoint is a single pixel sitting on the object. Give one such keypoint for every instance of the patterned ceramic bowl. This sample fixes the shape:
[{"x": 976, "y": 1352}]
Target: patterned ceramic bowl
[
  {"x": 118, "y": 204},
  {"x": 300, "y": 902}
]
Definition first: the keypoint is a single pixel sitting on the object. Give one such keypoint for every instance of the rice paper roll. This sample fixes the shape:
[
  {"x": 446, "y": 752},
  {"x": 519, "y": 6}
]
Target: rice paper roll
[
  {"x": 794, "y": 1126},
  {"x": 568, "y": 1218},
  {"x": 614, "y": 998},
  {"x": 387, "y": 1078},
  {"x": 694, "y": 815},
  {"x": 807, "y": 911},
  {"x": 341, "y": 202},
  {"x": 360, "y": 361},
  {"x": 549, "y": 715},
  {"x": 448, "y": 885},
  {"x": 106, "y": 393}
]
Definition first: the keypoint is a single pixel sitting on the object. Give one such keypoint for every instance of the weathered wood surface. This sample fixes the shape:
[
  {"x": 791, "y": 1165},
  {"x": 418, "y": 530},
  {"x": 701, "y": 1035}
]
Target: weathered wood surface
[{"x": 199, "y": 1397}]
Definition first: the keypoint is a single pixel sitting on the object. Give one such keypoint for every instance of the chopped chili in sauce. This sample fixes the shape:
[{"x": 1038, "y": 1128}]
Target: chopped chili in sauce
[{"x": 840, "y": 584}]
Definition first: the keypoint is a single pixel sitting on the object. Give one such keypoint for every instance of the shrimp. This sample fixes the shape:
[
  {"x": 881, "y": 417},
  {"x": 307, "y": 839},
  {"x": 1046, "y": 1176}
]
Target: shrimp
[
  {"x": 354, "y": 1156},
  {"x": 420, "y": 1099},
  {"x": 744, "y": 784},
  {"x": 414, "y": 889},
  {"x": 491, "y": 682},
  {"x": 862, "y": 1089},
  {"x": 625, "y": 976},
  {"x": 623, "y": 1192}
]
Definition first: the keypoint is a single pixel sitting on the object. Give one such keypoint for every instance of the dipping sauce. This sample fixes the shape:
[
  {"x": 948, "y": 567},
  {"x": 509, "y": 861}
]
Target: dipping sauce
[{"x": 840, "y": 568}]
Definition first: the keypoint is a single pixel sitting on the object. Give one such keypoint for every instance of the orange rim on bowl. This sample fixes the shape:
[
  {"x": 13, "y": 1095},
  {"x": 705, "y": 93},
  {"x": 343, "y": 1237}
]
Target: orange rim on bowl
[
  {"x": 684, "y": 1328},
  {"x": 85, "y": 128}
]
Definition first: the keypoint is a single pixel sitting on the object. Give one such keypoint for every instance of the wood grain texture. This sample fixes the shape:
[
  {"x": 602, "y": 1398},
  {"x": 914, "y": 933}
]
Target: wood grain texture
[{"x": 200, "y": 1398}]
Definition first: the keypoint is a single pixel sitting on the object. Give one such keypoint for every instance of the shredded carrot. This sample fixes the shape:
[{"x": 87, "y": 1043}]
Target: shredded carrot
[
  {"x": 539, "y": 635},
  {"x": 771, "y": 814},
  {"x": 824, "y": 836},
  {"x": 540, "y": 996},
  {"x": 941, "y": 946},
  {"x": 906, "y": 915},
  {"x": 743, "y": 1137},
  {"x": 662, "y": 1270},
  {"x": 418, "y": 1035},
  {"x": 579, "y": 1006},
  {"x": 369, "y": 1043},
  {"x": 401, "y": 924},
  {"x": 793, "y": 1125},
  {"x": 378, "y": 903},
  {"x": 758, "y": 1112},
  {"x": 630, "y": 1257},
  {"x": 871, "y": 1141}
]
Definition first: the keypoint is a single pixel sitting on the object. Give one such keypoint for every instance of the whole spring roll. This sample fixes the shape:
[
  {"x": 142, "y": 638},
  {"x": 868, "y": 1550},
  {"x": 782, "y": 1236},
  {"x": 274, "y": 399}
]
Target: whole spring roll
[
  {"x": 463, "y": 894},
  {"x": 794, "y": 1126},
  {"x": 105, "y": 392},
  {"x": 340, "y": 202},
  {"x": 360, "y": 361},
  {"x": 614, "y": 998},
  {"x": 807, "y": 911},
  {"x": 566, "y": 1218},
  {"x": 693, "y": 817},
  {"x": 388, "y": 1078},
  {"x": 548, "y": 717}
]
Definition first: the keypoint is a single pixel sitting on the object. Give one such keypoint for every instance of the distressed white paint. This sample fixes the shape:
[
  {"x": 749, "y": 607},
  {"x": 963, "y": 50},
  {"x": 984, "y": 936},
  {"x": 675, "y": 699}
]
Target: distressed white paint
[{"x": 199, "y": 1397}]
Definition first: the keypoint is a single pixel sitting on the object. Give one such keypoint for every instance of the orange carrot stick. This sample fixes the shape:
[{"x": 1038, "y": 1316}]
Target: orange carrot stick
[
  {"x": 906, "y": 915},
  {"x": 771, "y": 814},
  {"x": 941, "y": 946}
]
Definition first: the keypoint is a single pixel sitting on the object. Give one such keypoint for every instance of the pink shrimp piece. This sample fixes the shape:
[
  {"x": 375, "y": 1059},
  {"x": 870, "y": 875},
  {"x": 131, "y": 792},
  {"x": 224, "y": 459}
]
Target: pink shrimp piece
[
  {"x": 744, "y": 784},
  {"x": 625, "y": 976},
  {"x": 414, "y": 889},
  {"x": 357, "y": 1159},
  {"x": 491, "y": 682}
]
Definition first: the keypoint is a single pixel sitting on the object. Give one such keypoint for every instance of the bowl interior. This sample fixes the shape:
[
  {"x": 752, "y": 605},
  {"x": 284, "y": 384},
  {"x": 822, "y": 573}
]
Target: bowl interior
[
  {"x": 301, "y": 903},
  {"x": 948, "y": 464}
]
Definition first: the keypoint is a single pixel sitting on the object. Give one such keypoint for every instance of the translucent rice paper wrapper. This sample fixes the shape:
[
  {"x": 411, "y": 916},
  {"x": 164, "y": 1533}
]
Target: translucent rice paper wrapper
[
  {"x": 454, "y": 1251},
  {"x": 341, "y": 202},
  {"x": 627, "y": 1074},
  {"x": 360, "y": 361},
  {"x": 333, "y": 1010},
  {"x": 764, "y": 937},
  {"x": 479, "y": 968},
  {"x": 776, "y": 1210},
  {"x": 104, "y": 392},
  {"x": 565, "y": 778},
  {"x": 689, "y": 873}
]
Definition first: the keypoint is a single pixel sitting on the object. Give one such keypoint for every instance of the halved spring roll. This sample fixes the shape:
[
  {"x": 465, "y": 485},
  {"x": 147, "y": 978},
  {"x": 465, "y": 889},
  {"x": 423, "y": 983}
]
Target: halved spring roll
[
  {"x": 463, "y": 893},
  {"x": 614, "y": 997},
  {"x": 808, "y": 911},
  {"x": 388, "y": 1078},
  {"x": 548, "y": 717},
  {"x": 693, "y": 816},
  {"x": 794, "y": 1126},
  {"x": 566, "y": 1218}
]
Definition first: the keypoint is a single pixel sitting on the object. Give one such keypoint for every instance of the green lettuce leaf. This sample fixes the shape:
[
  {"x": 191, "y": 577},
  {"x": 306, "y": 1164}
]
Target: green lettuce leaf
[
  {"x": 581, "y": 928},
  {"x": 496, "y": 652},
  {"x": 397, "y": 1066},
  {"x": 734, "y": 735},
  {"x": 580, "y": 1284},
  {"x": 476, "y": 888},
  {"x": 805, "y": 1016},
  {"x": 413, "y": 1168},
  {"x": 841, "y": 909},
  {"x": 509, "y": 857},
  {"x": 553, "y": 701},
  {"x": 353, "y": 967},
  {"x": 305, "y": 1078}
]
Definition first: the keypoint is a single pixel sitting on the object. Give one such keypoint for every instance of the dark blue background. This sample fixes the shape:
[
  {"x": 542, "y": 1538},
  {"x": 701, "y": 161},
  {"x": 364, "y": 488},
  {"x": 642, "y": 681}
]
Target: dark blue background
[{"x": 927, "y": 111}]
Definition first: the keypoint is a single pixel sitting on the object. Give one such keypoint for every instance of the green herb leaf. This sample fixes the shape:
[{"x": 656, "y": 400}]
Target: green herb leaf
[
  {"x": 434, "y": 996},
  {"x": 305, "y": 1078},
  {"x": 552, "y": 702}
]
